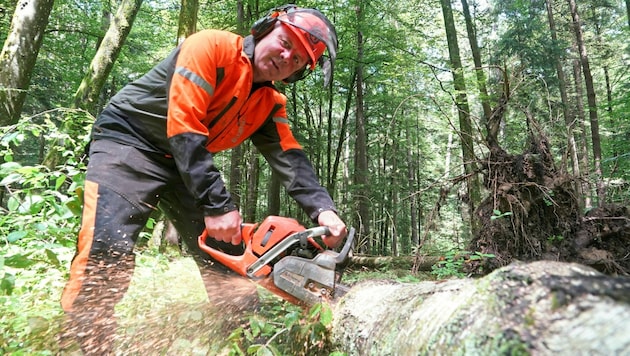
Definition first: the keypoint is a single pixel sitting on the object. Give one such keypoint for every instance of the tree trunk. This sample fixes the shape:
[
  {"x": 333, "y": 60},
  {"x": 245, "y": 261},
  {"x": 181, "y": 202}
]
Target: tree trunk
[
  {"x": 541, "y": 308},
  {"x": 360, "y": 176},
  {"x": 253, "y": 179},
  {"x": 106, "y": 55},
  {"x": 187, "y": 24},
  {"x": 342, "y": 137},
  {"x": 273, "y": 199},
  {"x": 236, "y": 186},
  {"x": 473, "y": 185},
  {"x": 389, "y": 262},
  {"x": 568, "y": 120},
  {"x": 19, "y": 55},
  {"x": 592, "y": 102},
  {"x": 481, "y": 76},
  {"x": 583, "y": 146}
]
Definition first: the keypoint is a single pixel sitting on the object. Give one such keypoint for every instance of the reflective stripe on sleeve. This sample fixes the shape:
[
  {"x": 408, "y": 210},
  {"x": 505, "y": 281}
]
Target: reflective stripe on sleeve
[{"x": 193, "y": 77}]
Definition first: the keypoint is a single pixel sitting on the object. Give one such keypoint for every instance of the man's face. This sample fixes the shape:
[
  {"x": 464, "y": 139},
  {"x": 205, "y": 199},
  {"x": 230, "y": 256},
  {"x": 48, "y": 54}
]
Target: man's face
[{"x": 278, "y": 55}]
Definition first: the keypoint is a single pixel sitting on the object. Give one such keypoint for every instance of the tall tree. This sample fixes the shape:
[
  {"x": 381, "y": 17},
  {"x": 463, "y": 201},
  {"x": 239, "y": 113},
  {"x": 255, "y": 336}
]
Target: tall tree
[
  {"x": 474, "y": 48},
  {"x": 19, "y": 55},
  {"x": 465, "y": 124},
  {"x": 581, "y": 118},
  {"x": 591, "y": 100},
  {"x": 86, "y": 96},
  {"x": 236, "y": 155},
  {"x": 566, "y": 113},
  {"x": 187, "y": 24},
  {"x": 360, "y": 176}
]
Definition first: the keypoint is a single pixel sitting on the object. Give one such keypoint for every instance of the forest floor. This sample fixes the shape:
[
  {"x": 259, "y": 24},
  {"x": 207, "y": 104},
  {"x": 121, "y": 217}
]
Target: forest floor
[{"x": 165, "y": 311}]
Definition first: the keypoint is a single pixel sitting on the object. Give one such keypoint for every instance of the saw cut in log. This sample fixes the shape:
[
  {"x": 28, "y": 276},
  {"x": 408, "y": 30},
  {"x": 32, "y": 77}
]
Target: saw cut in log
[{"x": 540, "y": 308}]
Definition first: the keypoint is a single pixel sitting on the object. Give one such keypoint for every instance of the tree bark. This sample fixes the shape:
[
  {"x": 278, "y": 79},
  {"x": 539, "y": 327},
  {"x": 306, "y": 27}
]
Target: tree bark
[
  {"x": 19, "y": 55},
  {"x": 568, "y": 120},
  {"x": 187, "y": 24},
  {"x": 86, "y": 96},
  {"x": 473, "y": 186},
  {"x": 541, "y": 308},
  {"x": 592, "y": 102},
  {"x": 360, "y": 176},
  {"x": 476, "y": 54}
]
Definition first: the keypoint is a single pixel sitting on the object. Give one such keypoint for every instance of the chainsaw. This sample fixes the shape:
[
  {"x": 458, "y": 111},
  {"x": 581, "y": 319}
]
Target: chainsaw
[{"x": 283, "y": 257}]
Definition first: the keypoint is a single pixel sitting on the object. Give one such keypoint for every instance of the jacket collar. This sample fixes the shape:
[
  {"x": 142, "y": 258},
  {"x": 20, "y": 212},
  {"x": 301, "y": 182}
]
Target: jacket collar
[{"x": 248, "y": 46}]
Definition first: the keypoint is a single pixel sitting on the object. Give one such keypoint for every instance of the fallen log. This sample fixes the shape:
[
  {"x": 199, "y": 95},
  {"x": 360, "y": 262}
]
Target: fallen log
[
  {"x": 389, "y": 262},
  {"x": 540, "y": 308}
]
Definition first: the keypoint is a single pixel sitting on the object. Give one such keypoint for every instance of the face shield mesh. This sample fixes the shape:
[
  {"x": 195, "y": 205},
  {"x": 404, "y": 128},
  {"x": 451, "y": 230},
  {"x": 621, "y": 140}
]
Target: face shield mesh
[{"x": 316, "y": 34}]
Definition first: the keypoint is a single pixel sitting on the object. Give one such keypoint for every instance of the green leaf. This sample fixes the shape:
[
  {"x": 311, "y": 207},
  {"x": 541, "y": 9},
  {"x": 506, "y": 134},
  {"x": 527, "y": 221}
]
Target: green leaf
[
  {"x": 255, "y": 326},
  {"x": 264, "y": 351},
  {"x": 13, "y": 204},
  {"x": 59, "y": 181},
  {"x": 19, "y": 261},
  {"x": 7, "y": 283},
  {"x": 75, "y": 206},
  {"x": 326, "y": 316},
  {"x": 16, "y": 235},
  {"x": 314, "y": 310},
  {"x": 252, "y": 349},
  {"x": 52, "y": 258},
  {"x": 8, "y": 167},
  {"x": 38, "y": 324},
  {"x": 11, "y": 178}
]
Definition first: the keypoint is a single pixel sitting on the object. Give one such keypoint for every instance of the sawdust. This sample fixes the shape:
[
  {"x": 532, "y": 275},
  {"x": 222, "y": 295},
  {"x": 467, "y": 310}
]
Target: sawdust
[{"x": 170, "y": 313}]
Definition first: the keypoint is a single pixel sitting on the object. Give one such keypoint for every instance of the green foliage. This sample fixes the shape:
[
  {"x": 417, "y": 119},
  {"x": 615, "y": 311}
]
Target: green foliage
[
  {"x": 453, "y": 263},
  {"x": 37, "y": 200},
  {"x": 497, "y": 214},
  {"x": 284, "y": 329},
  {"x": 40, "y": 215}
]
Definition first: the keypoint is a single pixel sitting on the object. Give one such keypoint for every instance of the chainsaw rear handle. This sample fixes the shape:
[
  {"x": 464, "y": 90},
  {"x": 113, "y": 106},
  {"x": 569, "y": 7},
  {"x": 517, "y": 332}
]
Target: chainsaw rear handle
[{"x": 237, "y": 263}]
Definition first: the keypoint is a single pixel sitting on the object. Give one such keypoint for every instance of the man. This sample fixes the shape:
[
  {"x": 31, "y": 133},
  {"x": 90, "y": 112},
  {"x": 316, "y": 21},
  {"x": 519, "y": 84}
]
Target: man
[{"x": 153, "y": 146}]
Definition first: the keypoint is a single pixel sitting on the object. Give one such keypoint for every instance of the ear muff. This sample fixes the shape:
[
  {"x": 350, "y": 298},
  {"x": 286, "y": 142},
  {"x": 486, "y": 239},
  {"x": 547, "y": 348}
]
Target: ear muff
[{"x": 264, "y": 25}]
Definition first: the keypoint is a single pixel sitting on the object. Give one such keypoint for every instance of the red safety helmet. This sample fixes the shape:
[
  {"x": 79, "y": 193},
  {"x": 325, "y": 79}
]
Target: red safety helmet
[{"x": 314, "y": 30}]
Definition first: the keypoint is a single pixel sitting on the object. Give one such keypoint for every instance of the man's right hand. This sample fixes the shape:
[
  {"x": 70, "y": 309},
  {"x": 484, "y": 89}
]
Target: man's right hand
[{"x": 226, "y": 227}]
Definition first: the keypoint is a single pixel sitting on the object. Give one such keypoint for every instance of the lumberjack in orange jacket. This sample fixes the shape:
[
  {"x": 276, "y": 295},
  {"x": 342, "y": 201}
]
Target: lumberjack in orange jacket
[{"x": 153, "y": 147}]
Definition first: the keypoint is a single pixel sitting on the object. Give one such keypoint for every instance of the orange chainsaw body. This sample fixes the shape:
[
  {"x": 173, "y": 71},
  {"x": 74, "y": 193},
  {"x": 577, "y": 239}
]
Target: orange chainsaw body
[
  {"x": 258, "y": 239},
  {"x": 266, "y": 243}
]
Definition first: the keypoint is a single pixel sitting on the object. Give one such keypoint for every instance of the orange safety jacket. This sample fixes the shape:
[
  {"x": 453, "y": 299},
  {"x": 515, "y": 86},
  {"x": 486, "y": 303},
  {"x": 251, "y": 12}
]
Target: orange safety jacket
[{"x": 201, "y": 100}]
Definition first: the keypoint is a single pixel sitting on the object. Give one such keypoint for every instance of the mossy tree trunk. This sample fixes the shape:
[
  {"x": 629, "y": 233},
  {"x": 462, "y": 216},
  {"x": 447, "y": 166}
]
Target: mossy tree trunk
[{"x": 541, "y": 308}]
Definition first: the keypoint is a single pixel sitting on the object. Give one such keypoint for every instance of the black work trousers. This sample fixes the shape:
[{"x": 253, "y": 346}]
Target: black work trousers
[{"x": 124, "y": 185}]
